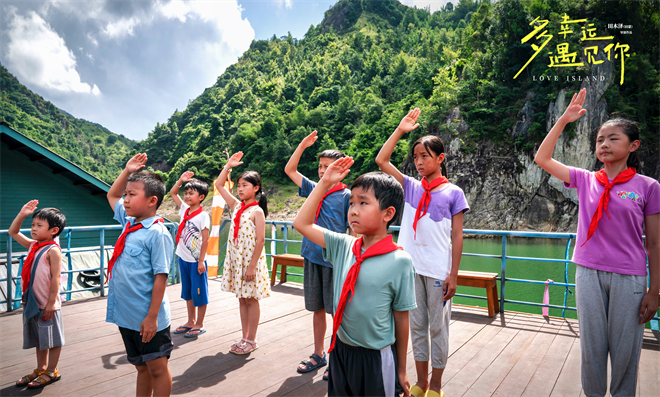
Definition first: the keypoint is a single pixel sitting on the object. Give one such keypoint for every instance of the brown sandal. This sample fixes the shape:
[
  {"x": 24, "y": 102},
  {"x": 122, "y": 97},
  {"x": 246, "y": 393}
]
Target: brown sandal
[
  {"x": 28, "y": 378},
  {"x": 238, "y": 345},
  {"x": 41, "y": 382}
]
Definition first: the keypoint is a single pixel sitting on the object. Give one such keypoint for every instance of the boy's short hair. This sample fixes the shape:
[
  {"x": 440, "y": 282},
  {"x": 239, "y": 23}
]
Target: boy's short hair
[
  {"x": 200, "y": 187},
  {"x": 152, "y": 184},
  {"x": 331, "y": 154},
  {"x": 387, "y": 190},
  {"x": 53, "y": 216}
]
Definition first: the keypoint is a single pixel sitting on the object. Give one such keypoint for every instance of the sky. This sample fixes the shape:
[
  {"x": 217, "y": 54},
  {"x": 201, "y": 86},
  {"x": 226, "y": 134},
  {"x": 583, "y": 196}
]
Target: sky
[{"x": 130, "y": 64}]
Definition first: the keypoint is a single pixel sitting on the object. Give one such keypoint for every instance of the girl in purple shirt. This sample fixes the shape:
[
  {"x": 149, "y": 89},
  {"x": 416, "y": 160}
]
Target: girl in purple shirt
[{"x": 617, "y": 206}]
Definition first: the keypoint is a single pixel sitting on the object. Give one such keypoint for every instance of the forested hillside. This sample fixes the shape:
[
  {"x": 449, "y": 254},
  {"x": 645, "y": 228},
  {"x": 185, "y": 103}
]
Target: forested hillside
[
  {"x": 88, "y": 145},
  {"x": 353, "y": 76}
]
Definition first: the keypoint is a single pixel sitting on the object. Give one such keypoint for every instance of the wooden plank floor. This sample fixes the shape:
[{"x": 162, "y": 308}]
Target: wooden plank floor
[{"x": 512, "y": 355}]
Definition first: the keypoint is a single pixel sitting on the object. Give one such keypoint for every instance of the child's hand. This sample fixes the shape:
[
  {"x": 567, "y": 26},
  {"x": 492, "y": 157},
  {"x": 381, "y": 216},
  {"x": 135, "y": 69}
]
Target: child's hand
[
  {"x": 29, "y": 208},
  {"x": 185, "y": 177},
  {"x": 251, "y": 273},
  {"x": 309, "y": 140},
  {"x": 235, "y": 160},
  {"x": 409, "y": 122},
  {"x": 405, "y": 383},
  {"x": 648, "y": 308},
  {"x": 449, "y": 288},
  {"x": 49, "y": 311},
  {"x": 338, "y": 170},
  {"x": 136, "y": 163},
  {"x": 574, "y": 110},
  {"x": 148, "y": 328},
  {"x": 201, "y": 268}
]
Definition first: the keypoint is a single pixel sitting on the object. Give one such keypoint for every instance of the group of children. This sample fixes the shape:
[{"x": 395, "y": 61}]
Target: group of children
[{"x": 379, "y": 293}]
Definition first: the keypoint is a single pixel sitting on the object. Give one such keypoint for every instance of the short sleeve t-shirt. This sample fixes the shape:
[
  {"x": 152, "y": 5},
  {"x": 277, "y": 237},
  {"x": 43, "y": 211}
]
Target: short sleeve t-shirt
[
  {"x": 430, "y": 250},
  {"x": 333, "y": 216},
  {"x": 616, "y": 246},
  {"x": 385, "y": 283},
  {"x": 147, "y": 252},
  {"x": 190, "y": 242}
]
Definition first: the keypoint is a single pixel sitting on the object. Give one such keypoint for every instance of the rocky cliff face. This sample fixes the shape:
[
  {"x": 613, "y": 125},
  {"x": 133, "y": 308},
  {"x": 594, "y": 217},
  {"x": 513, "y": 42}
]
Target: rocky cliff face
[{"x": 506, "y": 190}]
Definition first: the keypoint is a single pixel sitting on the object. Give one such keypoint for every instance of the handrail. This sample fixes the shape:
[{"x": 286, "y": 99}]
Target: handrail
[{"x": 283, "y": 226}]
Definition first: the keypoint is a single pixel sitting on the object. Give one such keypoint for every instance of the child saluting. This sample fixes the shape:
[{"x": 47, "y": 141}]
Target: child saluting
[
  {"x": 616, "y": 206},
  {"x": 373, "y": 285}
]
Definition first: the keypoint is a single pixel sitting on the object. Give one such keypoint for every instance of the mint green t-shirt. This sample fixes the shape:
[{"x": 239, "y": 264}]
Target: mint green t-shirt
[{"x": 385, "y": 283}]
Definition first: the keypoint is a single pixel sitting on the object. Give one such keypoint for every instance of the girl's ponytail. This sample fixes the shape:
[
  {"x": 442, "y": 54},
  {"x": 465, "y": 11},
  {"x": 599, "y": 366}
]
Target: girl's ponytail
[
  {"x": 263, "y": 202},
  {"x": 254, "y": 179},
  {"x": 631, "y": 130},
  {"x": 443, "y": 168}
]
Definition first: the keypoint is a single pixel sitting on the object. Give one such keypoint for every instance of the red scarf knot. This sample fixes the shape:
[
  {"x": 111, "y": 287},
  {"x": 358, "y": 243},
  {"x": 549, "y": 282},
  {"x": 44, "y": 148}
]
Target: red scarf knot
[
  {"x": 121, "y": 243},
  {"x": 426, "y": 198},
  {"x": 237, "y": 218},
  {"x": 601, "y": 177},
  {"x": 337, "y": 188},
  {"x": 26, "y": 273},
  {"x": 382, "y": 247},
  {"x": 187, "y": 216}
]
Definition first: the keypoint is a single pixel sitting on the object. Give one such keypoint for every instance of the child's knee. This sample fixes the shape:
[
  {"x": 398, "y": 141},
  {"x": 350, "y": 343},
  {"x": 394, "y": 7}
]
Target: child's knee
[
  {"x": 142, "y": 369},
  {"x": 158, "y": 367}
]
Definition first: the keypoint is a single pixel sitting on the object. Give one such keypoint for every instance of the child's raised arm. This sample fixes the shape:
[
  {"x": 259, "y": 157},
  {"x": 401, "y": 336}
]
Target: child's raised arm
[
  {"x": 407, "y": 124},
  {"x": 544, "y": 155},
  {"x": 291, "y": 168},
  {"x": 174, "y": 192},
  {"x": 116, "y": 192},
  {"x": 233, "y": 161},
  {"x": 304, "y": 221},
  {"x": 15, "y": 228}
]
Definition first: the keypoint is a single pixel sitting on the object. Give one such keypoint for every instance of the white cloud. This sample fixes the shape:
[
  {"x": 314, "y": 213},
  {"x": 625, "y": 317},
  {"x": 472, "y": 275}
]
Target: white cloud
[
  {"x": 39, "y": 56},
  {"x": 434, "y": 5}
]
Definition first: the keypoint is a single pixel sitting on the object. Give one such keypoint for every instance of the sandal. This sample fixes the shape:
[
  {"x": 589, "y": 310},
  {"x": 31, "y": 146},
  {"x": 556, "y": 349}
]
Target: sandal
[
  {"x": 28, "y": 378},
  {"x": 244, "y": 349},
  {"x": 41, "y": 382},
  {"x": 238, "y": 345},
  {"x": 326, "y": 374},
  {"x": 310, "y": 366},
  {"x": 197, "y": 330},
  {"x": 182, "y": 329}
]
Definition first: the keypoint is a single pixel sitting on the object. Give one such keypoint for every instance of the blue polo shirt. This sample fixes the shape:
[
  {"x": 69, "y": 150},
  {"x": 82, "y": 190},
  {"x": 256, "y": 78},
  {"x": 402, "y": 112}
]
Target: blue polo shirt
[
  {"x": 147, "y": 252},
  {"x": 333, "y": 216}
]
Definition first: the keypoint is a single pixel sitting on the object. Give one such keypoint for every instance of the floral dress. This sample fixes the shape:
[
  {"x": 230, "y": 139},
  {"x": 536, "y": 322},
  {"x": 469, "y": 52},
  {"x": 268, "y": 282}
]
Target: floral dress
[{"x": 239, "y": 256}]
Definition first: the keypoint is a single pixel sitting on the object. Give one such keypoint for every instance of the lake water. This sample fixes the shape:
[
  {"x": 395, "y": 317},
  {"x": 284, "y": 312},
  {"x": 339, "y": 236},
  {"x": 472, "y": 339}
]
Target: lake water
[{"x": 522, "y": 247}]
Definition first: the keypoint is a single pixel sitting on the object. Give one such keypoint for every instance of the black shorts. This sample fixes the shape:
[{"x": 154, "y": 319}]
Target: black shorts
[
  {"x": 139, "y": 352},
  {"x": 357, "y": 371}
]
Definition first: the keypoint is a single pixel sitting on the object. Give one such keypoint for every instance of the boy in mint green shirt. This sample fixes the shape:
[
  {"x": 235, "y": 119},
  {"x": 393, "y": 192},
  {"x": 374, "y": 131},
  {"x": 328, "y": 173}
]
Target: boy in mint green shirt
[{"x": 373, "y": 286}]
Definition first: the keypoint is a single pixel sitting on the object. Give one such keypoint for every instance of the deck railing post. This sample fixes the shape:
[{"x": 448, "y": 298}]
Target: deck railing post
[
  {"x": 566, "y": 291},
  {"x": 68, "y": 254},
  {"x": 102, "y": 263},
  {"x": 503, "y": 276},
  {"x": 10, "y": 275},
  {"x": 285, "y": 229}
]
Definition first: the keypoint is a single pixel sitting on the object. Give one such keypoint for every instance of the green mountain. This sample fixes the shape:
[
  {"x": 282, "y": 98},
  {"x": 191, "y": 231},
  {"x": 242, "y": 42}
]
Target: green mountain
[
  {"x": 367, "y": 63},
  {"x": 88, "y": 145}
]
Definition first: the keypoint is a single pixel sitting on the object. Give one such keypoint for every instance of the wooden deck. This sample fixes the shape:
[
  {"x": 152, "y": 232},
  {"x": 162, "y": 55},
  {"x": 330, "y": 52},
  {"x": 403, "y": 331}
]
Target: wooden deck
[{"x": 512, "y": 355}]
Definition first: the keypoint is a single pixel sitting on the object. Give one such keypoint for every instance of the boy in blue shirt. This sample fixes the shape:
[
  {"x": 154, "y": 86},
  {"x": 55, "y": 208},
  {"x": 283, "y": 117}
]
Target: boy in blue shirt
[
  {"x": 331, "y": 214},
  {"x": 137, "y": 274},
  {"x": 373, "y": 286}
]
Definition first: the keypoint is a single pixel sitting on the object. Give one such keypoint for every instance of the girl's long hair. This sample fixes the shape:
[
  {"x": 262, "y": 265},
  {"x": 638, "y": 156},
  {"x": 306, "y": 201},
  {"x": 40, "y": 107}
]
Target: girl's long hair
[
  {"x": 434, "y": 145},
  {"x": 254, "y": 178},
  {"x": 631, "y": 130}
]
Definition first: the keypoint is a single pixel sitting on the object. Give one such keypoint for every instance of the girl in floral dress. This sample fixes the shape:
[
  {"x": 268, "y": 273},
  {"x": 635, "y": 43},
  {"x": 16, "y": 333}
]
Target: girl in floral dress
[{"x": 245, "y": 273}]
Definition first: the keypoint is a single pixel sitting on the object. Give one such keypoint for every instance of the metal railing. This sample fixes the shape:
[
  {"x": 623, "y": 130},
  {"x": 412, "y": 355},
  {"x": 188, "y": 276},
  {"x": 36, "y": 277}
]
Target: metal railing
[{"x": 283, "y": 227}]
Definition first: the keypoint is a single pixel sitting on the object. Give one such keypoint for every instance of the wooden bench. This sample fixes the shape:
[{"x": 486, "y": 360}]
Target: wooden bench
[
  {"x": 284, "y": 260},
  {"x": 482, "y": 280},
  {"x": 465, "y": 278}
]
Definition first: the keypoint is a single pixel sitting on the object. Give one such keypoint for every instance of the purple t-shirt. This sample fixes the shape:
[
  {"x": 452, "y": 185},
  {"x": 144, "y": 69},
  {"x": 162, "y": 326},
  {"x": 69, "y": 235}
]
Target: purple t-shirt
[
  {"x": 616, "y": 246},
  {"x": 430, "y": 250}
]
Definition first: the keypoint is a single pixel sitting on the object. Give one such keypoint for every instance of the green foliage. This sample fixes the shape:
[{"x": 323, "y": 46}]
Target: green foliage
[{"x": 88, "y": 145}]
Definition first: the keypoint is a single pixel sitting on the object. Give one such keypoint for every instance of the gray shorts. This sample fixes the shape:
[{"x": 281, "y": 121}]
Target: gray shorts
[
  {"x": 43, "y": 334},
  {"x": 429, "y": 322},
  {"x": 317, "y": 285}
]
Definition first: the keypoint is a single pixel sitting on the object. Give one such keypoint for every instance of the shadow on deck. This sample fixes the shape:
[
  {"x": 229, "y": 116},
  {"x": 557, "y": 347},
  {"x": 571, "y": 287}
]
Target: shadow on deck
[{"x": 511, "y": 355}]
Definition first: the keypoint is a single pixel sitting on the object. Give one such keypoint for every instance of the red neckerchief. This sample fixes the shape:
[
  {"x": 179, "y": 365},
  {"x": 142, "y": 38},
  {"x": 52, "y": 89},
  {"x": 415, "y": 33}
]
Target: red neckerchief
[
  {"x": 186, "y": 217},
  {"x": 426, "y": 198},
  {"x": 382, "y": 247},
  {"x": 121, "y": 242},
  {"x": 601, "y": 177},
  {"x": 26, "y": 273},
  {"x": 337, "y": 188},
  {"x": 237, "y": 218}
]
